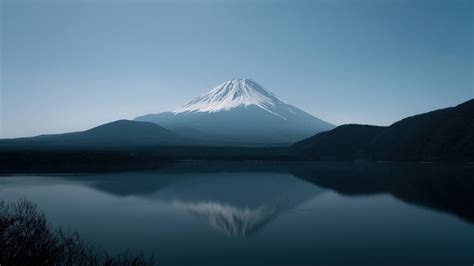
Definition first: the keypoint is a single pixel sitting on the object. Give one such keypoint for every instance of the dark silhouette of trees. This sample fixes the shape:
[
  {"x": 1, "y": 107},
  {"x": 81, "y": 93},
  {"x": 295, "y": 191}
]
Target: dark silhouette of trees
[{"x": 26, "y": 238}]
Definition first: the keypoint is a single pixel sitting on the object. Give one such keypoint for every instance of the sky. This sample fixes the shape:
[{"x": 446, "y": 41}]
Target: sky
[{"x": 72, "y": 65}]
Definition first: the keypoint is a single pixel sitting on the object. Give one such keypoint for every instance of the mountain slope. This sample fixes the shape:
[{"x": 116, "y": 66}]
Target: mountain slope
[
  {"x": 118, "y": 133},
  {"x": 346, "y": 141},
  {"x": 441, "y": 134},
  {"x": 239, "y": 110},
  {"x": 445, "y": 134}
]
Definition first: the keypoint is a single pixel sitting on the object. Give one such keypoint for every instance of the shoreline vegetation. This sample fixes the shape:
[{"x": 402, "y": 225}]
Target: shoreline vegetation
[
  {"x": 27, "y": 238},
  {"x": 115, "y": 160},
  {"x": 111, "y": 160}
]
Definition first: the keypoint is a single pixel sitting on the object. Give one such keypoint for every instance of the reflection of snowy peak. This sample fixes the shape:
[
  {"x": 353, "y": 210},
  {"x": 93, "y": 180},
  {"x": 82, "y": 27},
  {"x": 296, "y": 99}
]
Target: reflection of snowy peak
[
  {"x": 239, "y": 110},
  {"x": 234, "y": 93},
  {"x": 217, "y": 199},
  {"x": 230, "y": 220}
]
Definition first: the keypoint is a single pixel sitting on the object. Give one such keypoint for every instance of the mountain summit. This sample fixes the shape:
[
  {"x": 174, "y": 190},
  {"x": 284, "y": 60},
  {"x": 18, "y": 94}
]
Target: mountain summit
[
  {"x": 239, "y": 111},
  {"x": 234, "y": 93}
]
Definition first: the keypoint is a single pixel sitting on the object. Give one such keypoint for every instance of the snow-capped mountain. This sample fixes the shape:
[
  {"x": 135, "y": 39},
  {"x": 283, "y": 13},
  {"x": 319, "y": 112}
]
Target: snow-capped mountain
[
  {"x": 241, "y": 111},
  {"x": 234, "y": 93}
]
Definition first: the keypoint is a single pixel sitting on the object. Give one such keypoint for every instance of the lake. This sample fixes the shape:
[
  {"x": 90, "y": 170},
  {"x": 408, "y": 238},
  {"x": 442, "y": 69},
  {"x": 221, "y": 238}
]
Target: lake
[{"x": 256, "y": 213}]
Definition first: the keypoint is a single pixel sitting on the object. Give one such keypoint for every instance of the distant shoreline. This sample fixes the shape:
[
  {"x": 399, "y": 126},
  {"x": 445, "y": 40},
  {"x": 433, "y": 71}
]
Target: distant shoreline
[{"x": 78, "y": 162}]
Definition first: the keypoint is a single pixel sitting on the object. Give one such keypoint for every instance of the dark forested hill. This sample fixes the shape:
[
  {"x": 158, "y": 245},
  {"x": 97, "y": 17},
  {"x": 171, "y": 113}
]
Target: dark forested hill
[
  {"x": 118, "y": 134},
  {"x": 442, "y": 134},
  {"x": 445, "y": 134},
  {"x": 346, "y": 141}
]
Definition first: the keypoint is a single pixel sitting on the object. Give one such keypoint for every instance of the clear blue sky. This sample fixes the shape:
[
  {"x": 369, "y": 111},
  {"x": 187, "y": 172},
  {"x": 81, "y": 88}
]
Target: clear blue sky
[{"x": 73, "y": 65}]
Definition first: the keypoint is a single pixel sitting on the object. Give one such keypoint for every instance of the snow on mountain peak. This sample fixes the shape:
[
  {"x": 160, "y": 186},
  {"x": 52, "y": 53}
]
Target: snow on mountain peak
[{"x": 233, "y": 93}]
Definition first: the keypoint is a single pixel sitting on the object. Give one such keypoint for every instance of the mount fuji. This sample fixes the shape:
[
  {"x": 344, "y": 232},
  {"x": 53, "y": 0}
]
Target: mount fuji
[{"x": 239, "y": 111}]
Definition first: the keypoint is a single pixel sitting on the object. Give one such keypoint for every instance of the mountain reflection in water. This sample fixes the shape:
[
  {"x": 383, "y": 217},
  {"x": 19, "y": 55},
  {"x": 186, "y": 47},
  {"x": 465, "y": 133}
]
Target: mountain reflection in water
[
  {"x": 255, "y": 213},
  {"x": 228, "y": 219},
  {"x": 237, "y": 205},
  {"x": 443, "y": 187}
]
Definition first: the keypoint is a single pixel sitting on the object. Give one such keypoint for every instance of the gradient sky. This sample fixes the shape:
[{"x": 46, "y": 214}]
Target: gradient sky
[{"x": 72, "y": 65}]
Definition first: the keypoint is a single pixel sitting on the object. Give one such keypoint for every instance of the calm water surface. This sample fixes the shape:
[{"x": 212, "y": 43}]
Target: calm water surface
[{"x": 268, "y": 213}]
